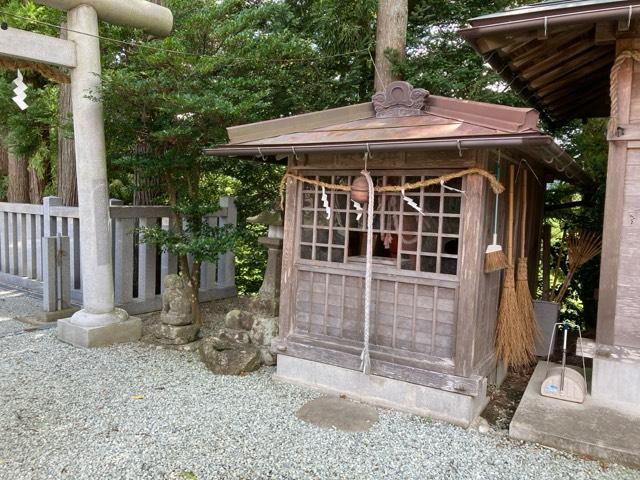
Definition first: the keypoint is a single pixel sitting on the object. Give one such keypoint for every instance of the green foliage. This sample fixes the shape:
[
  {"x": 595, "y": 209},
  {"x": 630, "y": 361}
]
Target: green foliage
[
  {"x": 30, "y": 133},
  {"x": 188, "y": 475},
  {"x": 587, "y": 142},
  {"x": 163, "y": 107},
  {"x": 441, "y": 61},
  {"x": 343, "y": 32},
  {"x": 202, "y": 242},
  {"x": 197, "y": 239}
]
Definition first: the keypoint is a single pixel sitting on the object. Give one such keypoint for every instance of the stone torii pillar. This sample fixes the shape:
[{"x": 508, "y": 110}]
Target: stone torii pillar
[{"x": 99, "y": 322}]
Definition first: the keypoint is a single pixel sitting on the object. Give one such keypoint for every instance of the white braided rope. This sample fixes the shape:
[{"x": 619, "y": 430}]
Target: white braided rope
[{"x": 368, "y": 277}]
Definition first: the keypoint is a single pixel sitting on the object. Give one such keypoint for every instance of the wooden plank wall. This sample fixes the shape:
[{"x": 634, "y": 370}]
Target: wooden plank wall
[
  {"x": 627, "y": 329},
  {"x": 406, "y": 317},
  {"x": 491, "y": 284},
  {"x": 472, "y": 249}
]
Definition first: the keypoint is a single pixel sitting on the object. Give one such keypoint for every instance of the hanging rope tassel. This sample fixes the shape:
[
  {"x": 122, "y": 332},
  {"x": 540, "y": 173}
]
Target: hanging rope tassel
[{"x": 366, "y": 360}]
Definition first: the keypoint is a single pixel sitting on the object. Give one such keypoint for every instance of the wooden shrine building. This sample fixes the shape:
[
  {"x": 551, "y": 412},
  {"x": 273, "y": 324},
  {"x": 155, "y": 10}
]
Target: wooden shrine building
[
  {"x": 571, "y": 58},
  {"x": 581, "y": 59},
  {"x": 433, "y": 309}
]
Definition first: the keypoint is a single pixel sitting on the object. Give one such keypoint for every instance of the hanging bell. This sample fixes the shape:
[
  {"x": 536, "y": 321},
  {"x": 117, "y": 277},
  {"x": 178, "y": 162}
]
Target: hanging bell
[{"x": 360, "y": 190}]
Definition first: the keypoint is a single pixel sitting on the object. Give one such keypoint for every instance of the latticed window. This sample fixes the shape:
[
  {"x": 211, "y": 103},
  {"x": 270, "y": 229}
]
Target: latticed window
[{"x": 403, "y": 237}]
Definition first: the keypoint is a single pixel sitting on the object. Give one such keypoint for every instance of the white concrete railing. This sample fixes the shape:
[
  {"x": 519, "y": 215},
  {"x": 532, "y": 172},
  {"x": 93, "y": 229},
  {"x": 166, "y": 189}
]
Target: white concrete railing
[{"x": 139, "y": 269}]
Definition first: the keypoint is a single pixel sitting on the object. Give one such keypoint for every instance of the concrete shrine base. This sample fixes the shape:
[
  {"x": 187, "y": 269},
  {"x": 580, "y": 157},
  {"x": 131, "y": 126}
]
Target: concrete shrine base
[
  {"x": 595, "y": 428},
  {"x": 384, "y": 392},
  {"x": 126, "y": 331}
]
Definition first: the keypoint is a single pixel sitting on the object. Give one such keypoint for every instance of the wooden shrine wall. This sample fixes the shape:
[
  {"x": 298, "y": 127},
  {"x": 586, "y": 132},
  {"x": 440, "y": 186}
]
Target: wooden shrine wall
[
  {"x": 438, "y": 324},
  {"x": 412, "y": 318}
]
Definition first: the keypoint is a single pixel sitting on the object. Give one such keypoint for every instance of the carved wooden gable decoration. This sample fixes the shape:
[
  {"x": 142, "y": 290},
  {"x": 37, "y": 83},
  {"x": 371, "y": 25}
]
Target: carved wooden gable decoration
[{"x": 399, "y": 99}]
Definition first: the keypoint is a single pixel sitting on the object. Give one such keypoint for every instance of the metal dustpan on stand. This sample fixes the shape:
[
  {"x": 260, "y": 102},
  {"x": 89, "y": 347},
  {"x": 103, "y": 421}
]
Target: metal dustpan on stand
[{"x": 563, "y": 382}]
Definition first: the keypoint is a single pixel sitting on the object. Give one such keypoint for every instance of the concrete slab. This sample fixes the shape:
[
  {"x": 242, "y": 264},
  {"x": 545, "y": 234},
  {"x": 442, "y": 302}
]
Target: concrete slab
[
  {"x": 599, "y": 429},
  {"x": 616, "y": 376},
  {"x": 450, "y": 407},
  {"x": 339, "y": 413},
  {"x": 46, "y": 318},
  {"x": 126, "y": 331}
]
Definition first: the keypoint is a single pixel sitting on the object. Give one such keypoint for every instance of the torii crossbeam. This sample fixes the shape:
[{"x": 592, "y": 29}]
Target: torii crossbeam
[{"x": 99, "y": 323}]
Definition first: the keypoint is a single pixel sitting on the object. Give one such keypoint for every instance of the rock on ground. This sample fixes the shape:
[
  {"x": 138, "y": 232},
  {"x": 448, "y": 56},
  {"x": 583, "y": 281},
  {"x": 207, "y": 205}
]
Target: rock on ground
[
  {"x": 226, "y": 357},
  {"x": 264, "y": 330},
  {"x": 175, "y": 334},
  {"x": 239, "y": 320}
]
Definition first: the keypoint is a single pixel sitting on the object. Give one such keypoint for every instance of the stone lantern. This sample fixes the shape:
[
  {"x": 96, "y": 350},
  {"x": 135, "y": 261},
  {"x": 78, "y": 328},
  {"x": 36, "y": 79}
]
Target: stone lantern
[{"x": 268, "y": 299}]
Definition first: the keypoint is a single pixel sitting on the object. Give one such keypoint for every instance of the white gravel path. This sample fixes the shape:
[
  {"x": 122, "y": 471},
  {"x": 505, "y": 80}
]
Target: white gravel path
[
  {"x": 14, "y": 303},
  {"x": 136, "y": 412}
]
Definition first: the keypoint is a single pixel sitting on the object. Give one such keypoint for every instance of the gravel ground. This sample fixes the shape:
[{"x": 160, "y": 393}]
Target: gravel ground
[
  {"x": 15, "y": 303},
  {"x": 137, "y": 412}
]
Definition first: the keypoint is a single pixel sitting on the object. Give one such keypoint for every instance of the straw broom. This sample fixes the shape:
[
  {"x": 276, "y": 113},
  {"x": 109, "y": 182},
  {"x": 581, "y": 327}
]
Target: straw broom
[
  {"x": 582, "y": 246},
  {"x": 494, "y": 257},
  {"x": 523, "y": 293},
  {"x": 510, "y": 331}
]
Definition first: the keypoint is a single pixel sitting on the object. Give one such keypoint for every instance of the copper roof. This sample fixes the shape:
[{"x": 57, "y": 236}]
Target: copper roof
[
  {"x": 547, "y": 7},
  {"x": 556, "y": 54},
  {"x": 441, "y": 123}
]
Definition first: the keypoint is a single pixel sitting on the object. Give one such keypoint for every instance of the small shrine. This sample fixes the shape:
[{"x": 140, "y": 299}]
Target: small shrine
[{"x": 389, "y": 208}]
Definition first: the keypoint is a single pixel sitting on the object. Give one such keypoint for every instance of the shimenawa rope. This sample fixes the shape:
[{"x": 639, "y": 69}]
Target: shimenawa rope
[
  {"x": 613, "y": 92},
  {"x": 496, "y": 186},
  {"x": 45, "y": 71}
]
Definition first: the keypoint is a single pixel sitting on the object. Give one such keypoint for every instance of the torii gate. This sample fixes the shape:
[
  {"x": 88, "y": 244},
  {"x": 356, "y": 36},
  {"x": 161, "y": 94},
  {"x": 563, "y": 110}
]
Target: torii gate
[{"x": 99, "y": 322}]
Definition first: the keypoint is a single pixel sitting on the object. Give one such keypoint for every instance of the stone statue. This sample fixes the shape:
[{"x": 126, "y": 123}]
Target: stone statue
[{"x": 176, "y": 305}]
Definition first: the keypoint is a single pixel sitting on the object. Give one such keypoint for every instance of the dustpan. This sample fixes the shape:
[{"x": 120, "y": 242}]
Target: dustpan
[{"x": 561, "y": 381}]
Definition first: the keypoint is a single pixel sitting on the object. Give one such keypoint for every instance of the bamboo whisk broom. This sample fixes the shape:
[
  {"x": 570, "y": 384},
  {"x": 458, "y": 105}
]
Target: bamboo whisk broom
[
  {"x": 582, "y": 246},
  {"x": 523, "y": 293},
  {"x": 494, "y": 257},
  {"x": 510, "y": 331}
]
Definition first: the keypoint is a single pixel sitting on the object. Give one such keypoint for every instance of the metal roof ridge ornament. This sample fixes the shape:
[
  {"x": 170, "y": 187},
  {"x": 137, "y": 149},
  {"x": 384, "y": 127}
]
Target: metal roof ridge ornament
[{"x": 399, "y": 99}]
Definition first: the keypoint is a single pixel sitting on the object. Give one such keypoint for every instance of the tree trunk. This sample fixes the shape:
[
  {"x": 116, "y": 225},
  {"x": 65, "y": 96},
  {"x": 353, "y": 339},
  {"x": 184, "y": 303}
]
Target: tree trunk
[
  {"x": 36, "y": 187},
  {"x": 4, "y": 161},
  {"x": 147, "y": 188},
  {"x": 67, "y": 180},
  {"x": 18, "y": 187},
  {"x": 391, "y": 33}
]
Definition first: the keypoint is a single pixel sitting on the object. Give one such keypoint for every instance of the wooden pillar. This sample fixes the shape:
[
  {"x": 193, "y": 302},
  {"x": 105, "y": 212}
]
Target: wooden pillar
[
  {"x": 616, "y": 365},
  {"x": 619, "y": 308},
  {"x": 288, "y": 280},
  {"x": 471, "y": 265}
]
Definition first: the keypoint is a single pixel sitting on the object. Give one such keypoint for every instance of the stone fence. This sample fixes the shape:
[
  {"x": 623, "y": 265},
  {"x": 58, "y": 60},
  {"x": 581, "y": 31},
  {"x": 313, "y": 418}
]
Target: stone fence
[{"x": 139, "y": 269}]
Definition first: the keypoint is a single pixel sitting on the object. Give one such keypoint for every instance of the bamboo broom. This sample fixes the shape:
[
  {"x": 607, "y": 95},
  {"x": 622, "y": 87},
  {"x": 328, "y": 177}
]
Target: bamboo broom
[
  {"x": 494, "y": 257},
  {"x": 582, "y": 246},
  {"x": 523, "y": 293},
  {"x": 510, "y": 333}
]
